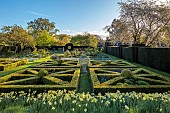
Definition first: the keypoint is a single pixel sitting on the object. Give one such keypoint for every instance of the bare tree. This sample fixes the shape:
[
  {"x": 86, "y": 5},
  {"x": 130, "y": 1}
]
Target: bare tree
[
  {"x": 145, "y": 19},
  {"x": 118, "y": 31}
]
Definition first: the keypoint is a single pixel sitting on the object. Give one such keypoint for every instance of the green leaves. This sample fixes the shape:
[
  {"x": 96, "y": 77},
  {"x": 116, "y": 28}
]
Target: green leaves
[
  {"x": 41, "y": 24},
  {"x": 85, "y": 40},
  {"x": 16, "y": 35},
  {"x": 43, "y": 38}
]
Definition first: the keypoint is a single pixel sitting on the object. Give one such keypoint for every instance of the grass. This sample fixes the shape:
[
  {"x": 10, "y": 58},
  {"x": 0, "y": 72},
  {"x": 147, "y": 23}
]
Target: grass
[
  {"x": 140, "y": 66},
  {"x": 85, "y": 83},
  {"x": 3, "y": 73}
]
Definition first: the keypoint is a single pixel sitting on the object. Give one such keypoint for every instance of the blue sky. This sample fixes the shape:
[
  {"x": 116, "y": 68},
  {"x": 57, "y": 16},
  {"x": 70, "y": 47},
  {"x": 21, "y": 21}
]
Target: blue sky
[{"x": 70, "y": 16}]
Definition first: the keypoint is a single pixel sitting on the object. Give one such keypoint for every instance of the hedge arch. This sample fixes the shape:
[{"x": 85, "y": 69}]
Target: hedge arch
[{"x": 69, "y": 46}]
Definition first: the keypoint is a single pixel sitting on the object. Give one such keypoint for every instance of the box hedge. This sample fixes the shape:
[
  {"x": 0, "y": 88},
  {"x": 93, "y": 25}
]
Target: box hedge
[
  {"x": 143, "y": 81},
  {"x": 7, "y": 64},
  {"x": 34, "y": 82}
]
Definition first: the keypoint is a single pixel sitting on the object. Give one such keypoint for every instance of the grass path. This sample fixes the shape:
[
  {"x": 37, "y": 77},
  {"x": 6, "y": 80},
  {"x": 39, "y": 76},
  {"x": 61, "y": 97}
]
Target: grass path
[
  {"x": 3, "y": 73},
  {"x": 85, "y": 83}
]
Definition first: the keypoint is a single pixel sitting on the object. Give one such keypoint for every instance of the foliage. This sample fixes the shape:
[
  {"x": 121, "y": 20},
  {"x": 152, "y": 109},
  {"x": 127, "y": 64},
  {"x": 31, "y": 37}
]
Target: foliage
[
  {"x": 43, "y": 38},
  {"x": 141, "y": 82},
  {"x": 108, "y": 61},
  {"x": 57, "y": 59},
  {"x": 64, "y": 38},
  {"x": 67, "y": 53},
  {"x": 129, "y": 82},
  {"x": 143, "y": 20},
  {"x": 41, "y": 24},
  {"x": 60, "y": 40},
  {"x": 6, "y": 64},
  {"x": 118, "y": 31},
  {"x": 55, "y": 41},
  {"x": 84, "y": 40},
  {"x": 42, "y": 73},
  {"x": 15, "y": 34},
  {"x": 126, "y": 73}
]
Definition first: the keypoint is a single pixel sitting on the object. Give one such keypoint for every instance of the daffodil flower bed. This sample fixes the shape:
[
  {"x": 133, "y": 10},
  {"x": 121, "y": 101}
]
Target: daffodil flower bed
[{"x": 63, "y": 101}]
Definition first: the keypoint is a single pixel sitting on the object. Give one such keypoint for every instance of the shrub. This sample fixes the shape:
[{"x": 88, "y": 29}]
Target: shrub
[
  {"x": 9, "y": 64},
  {"x": 67, "y": 53},
  {"x": 108, "y": 62},
  {"x": 140, "y": 82},
  {"x": 73, "y": 53},
  {"x": 42, "y": 73},
  {"x": 129, "y": 82},
  {"x": 127, "y": 73}
]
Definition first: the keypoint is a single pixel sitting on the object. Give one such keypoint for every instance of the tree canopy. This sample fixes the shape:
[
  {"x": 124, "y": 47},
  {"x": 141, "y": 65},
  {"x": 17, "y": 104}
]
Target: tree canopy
[
  {"x": 43, "y": 38},
  {"x": 85, "y": 40},
  {"x": 64, "y": 38},
  {"x": 41, "y": 24},
  {"x": 141, "y": 20},
  {"x": 15, "y": 34}
]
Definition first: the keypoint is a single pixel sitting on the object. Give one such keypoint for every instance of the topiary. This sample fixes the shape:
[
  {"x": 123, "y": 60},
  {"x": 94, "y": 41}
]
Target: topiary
[
  {"x": 72, "y": 53},
  {"x": 141, "y": 82},
  {"x": 126, "y": 73},
  {"x": 42, "y": 73},
  {"x": 108, "y": 61},
  {"x": 67, "y": 53}
]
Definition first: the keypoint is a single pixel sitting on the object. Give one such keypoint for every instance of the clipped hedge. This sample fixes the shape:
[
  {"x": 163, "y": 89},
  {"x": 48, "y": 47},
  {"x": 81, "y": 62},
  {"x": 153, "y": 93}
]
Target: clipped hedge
[
  {"x": 38, "y": 88},
  {"x": 6, "y": 64},
  {"x": 136, "y": 88},
  {"x": 157, "y": 58},
  {"x": 111, "y": 64},
  {"x": 141, "y": 80},
  {"x": 54, "y": 64},
  {"x": 29, "y": 79}
]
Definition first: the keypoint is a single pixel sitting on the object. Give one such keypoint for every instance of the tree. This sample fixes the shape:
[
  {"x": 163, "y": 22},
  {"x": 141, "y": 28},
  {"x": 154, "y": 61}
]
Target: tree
[
  {"x": 15, "y": 34},
  {"x": 164, "y": 39},
  {"x": 43, "y": 38},
  {"x": 41, "y": 24},
  {"x": 118, "y": 31},
  {"x": 64, "y": 38},
  {"x": 85, "y": 40},
  {"x": 145, "y": 19},
  {"x": 55, "y": 41}
]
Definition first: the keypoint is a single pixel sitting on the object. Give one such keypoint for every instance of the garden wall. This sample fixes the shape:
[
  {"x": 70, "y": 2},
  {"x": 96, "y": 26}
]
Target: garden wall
[{"x": 157, "y": 58}]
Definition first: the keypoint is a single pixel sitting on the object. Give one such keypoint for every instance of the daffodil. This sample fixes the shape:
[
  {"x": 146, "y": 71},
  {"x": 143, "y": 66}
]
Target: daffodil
[
  {"x": 107, "y": 103},
  {"x": 85, "y": 110},
  {"x": 126, "y": 107},
  {"x": 53, "y": 108}
]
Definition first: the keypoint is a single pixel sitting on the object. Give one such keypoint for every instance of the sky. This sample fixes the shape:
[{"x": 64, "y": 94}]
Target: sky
[{"x": 70, "y": 16}]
